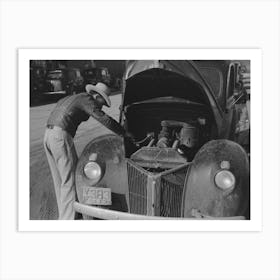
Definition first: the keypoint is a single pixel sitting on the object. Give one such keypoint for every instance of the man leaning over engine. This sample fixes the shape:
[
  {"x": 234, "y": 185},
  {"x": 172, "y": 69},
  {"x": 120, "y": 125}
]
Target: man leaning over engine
[{"x": 62, "y": 125}]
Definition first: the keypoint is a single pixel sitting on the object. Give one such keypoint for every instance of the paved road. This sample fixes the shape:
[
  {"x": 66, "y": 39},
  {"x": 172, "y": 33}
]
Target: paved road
[{"x": 42, "y": 199}]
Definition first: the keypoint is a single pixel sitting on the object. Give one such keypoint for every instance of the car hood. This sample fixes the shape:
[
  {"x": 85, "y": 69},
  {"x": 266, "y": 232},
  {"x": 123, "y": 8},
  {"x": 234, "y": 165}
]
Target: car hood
[
  {"x": 147, "y": 79},
  {"x": 182, "y": 67}
]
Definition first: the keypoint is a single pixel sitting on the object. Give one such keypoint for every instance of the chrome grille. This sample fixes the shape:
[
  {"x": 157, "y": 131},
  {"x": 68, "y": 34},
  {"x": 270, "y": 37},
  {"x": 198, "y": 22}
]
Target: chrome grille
[
  {"x": 165, "y": 191},
  {"x": 170, "y": 199},
  {"x": 137, "y": 184}
]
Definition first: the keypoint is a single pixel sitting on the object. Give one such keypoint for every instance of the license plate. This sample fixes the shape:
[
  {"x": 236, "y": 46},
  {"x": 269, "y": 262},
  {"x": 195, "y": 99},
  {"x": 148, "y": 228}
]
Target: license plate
[{"x": 97, "y": 196}]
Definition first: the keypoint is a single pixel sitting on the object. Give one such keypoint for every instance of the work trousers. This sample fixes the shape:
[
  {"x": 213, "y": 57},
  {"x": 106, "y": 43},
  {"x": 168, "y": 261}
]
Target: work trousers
[{"x": 62, "y": 158}]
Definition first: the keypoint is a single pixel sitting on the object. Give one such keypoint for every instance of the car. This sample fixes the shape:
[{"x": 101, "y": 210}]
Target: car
[
  {"x": 65, "y": 81},
  {"x": 186, "y": 160},
  {"x": 37, "y": 81},
  {"x": 74, "y": 81},
  {"x": 55, "y": 82},
  {"x": 95, "y": 75}
]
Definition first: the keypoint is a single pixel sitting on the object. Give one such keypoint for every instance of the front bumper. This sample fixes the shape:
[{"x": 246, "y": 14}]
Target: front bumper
[{"x": 106, "y": 214}]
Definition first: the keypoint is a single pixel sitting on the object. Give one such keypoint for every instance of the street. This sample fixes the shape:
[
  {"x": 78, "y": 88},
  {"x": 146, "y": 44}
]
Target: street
[{"x": 42, "y": 197}]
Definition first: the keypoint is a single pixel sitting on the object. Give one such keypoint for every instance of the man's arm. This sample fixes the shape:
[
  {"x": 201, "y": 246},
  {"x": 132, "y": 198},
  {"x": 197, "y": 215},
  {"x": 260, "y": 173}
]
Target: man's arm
[
  {"x": 108, "y": 122},
  {"x": 93, "y": 110}
]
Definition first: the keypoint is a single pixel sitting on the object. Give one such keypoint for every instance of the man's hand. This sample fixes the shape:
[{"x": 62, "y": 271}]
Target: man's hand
[{"x": 129, "y": 136}]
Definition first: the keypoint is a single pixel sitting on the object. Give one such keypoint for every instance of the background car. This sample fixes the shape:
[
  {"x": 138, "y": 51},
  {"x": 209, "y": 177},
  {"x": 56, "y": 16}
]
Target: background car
[
  {"x": 74, "y": 81},
  {"x": 97, "y": 74},
  {"x": 55, "y": 82},
  {"x": 37, "y": 81},
  {"x": 63, "y": 82}
]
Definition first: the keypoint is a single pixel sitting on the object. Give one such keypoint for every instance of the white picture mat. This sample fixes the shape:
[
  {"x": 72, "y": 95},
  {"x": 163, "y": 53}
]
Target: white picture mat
[
  {"x": 254, "y": 55},
  {"x": 191, "y": 255}
]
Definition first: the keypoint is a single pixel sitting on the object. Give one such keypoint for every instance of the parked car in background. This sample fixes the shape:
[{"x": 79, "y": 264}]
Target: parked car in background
[
  {"x": 37, "y": 81},
  {"x": 186, "y": 161},
  {"x": 55, "y": 82},
  {"x": 74, "y": 81},
  {"x": 95, "y": 75},
  {"x": 63, "y": 82},
  {"x": 106, "y": 76}
]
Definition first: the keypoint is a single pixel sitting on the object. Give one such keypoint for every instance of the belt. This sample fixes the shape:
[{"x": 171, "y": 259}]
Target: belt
[{"x": 50, "y": 126}]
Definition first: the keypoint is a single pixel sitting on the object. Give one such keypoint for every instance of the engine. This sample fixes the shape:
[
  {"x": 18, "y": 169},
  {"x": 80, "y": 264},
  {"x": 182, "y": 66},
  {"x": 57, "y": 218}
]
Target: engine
[
  {"x": 175, "y": 144},
  {"x": 174, "y": 133}
]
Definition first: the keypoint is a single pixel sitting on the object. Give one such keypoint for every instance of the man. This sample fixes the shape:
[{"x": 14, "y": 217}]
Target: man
[{"x": 58, "y": 141}]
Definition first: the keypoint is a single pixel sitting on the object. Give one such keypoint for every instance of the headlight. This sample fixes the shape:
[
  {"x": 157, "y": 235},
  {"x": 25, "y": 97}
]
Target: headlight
[
  {"x": 225, "y": 180},
  {"x": 93, "y": 171}
]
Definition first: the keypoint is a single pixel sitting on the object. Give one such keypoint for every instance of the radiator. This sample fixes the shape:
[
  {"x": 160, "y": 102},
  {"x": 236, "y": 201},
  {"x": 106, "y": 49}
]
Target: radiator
[
  {"x": 137, "y": 184},
  {"x": 155, "y": 194}
]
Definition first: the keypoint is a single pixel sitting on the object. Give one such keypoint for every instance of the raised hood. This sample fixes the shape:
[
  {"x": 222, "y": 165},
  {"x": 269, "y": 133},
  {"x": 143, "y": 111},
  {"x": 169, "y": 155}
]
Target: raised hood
[
  {"x": 149, "y": 79},
  {"x": 182, "y": 67}
]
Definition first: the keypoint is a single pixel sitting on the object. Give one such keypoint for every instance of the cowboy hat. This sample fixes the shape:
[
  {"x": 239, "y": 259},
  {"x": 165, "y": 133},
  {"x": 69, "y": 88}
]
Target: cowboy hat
[{"x": 101, "y": 89}]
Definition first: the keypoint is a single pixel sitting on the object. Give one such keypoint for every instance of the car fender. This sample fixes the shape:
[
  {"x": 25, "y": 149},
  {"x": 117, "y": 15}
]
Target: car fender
[
  {"x": 109, "y": 149},
  {"x": 201, "y": 195}
]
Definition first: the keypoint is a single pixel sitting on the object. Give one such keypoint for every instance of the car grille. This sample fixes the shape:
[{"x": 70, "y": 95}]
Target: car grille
[
  {"x": 170, "y": 199},
  {"x": 157, "y": 194},
  {"x": 137, "y": 182}
]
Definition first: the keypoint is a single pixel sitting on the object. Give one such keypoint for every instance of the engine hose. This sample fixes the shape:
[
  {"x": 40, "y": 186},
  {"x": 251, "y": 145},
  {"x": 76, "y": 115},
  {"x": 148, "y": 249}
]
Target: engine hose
[
  {"x": 149, "y": 136},
  {"x": 151, "y": 142},
  {"x": 175, "y": 144}
]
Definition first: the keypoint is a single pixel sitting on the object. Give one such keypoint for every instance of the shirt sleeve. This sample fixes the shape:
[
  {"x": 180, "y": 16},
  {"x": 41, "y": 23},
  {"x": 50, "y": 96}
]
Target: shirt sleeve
[{"x": 103, "y": 118}]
